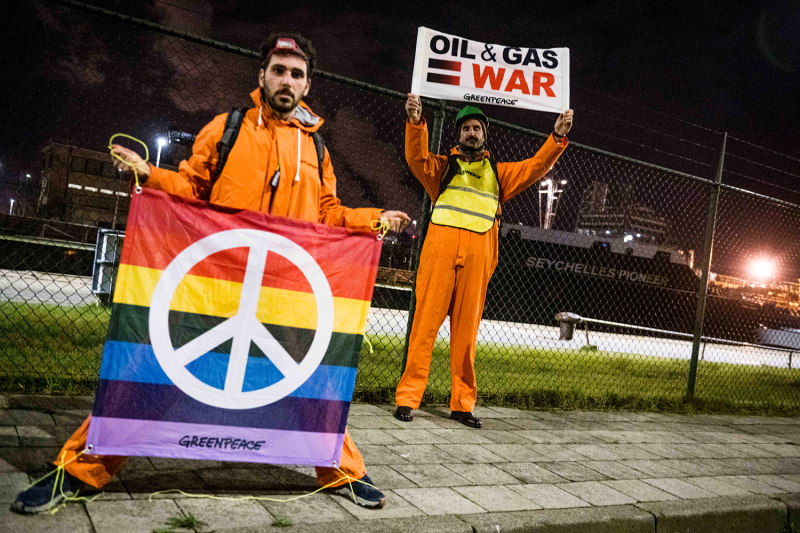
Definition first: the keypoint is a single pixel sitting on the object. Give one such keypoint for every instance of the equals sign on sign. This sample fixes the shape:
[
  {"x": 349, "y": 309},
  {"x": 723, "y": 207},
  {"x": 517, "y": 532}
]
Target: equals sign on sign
[{"x": 441, "y": 64}]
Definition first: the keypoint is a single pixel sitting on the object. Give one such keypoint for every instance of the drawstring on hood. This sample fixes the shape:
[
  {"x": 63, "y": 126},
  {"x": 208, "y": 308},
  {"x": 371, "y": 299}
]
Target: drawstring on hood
[
  {"x": 297, "y": 176},
  {"x": 304, "y": 119}
]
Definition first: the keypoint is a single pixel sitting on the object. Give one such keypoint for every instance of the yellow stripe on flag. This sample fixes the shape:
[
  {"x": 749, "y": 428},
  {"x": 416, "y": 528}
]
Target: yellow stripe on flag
[{"x": 215, "y": 297}]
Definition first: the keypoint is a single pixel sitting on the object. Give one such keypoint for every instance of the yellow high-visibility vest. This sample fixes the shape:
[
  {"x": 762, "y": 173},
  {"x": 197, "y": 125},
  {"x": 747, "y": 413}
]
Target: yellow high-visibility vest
[{"x": 470, "y": 199}]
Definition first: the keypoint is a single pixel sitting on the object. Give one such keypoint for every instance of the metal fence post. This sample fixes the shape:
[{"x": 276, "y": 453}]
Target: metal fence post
[
  {"x": 702, "y": 290},
  {"x": 434, "y": 144}
]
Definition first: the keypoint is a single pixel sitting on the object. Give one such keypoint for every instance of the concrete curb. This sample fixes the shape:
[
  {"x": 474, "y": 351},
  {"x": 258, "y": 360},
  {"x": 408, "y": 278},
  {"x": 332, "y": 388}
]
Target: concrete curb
[
  {"x": 417, "y": 524},
  {"x": 740, "y": 514},
  {"x": 792, "y": 503},
  {"x": 614, "y": 519}
]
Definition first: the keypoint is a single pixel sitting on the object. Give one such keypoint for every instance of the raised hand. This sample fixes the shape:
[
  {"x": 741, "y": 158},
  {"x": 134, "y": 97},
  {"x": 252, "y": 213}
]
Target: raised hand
[
  {"x": 414, "y": 108},
  {"x": 564, "y": 122}
]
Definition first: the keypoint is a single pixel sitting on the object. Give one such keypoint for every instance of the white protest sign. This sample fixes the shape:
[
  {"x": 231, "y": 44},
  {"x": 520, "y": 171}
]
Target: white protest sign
[{"x": 454, "y": 68}]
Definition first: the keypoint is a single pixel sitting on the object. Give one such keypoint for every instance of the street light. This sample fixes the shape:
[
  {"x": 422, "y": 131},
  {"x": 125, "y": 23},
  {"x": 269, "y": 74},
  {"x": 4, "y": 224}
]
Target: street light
[
  {"x": 762, "y": 268},
  {"x": 161, "y": 142},
  {"x": 11, "y": 210}
]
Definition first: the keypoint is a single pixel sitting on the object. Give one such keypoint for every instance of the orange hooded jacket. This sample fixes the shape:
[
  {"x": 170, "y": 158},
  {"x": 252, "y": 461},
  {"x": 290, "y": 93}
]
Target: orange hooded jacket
[{"x": 264, "y": 143}]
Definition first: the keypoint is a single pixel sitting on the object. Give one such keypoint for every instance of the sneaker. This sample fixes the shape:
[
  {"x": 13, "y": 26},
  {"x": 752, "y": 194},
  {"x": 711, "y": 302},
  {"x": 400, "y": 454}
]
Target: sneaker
[
  {"x": 403, "y": 413},
  {"x": 466, "y": 418},
  {"x": 46, "y": 494},
  {"x": 365, "y": 495}
]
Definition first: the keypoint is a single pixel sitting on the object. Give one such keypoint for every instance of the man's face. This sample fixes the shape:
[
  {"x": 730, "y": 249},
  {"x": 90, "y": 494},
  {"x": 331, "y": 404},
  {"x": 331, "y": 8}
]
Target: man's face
[
  {"x": 471, "y": 134},
  {"x": 285, "y": 81}
]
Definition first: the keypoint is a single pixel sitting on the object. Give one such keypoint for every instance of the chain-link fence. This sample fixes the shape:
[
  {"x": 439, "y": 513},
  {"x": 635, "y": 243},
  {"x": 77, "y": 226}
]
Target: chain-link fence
[{"x": 612, "y": 245}]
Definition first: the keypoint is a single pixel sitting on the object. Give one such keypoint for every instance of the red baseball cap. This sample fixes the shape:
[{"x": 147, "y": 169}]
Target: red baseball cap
[{"x": 285, "y": 45}]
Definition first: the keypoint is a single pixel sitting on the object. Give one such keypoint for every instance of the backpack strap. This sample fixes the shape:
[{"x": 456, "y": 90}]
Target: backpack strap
[
  {"x": 233, "y": 123},
  {"x": 319, "y": 144},
  {"x": 449, "y": 174},
  {"x": 493, "y": 163}
]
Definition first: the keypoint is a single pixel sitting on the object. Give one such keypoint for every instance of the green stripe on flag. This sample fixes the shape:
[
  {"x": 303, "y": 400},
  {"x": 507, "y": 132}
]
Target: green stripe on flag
[{"x": 129, "y": 323}]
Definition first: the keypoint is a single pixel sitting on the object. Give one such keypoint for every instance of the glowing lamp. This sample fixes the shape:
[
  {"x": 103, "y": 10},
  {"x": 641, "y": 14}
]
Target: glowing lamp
[{"x": 762, "y": 269}]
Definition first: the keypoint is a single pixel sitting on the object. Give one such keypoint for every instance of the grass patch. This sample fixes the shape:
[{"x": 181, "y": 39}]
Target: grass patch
[
  {"x": 531, "y": 377},
  {"x": 49, "y": 348},
  {"x": 182, "y": 521},
  {"x": 57, "y": 350},
  {"x": 282, "y": 521}
]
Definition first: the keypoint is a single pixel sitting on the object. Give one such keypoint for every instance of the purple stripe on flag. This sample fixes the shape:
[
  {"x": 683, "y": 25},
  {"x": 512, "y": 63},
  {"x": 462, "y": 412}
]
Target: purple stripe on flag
[
  {"x": 117, "y": 436},
  {"x": 148, "y": 401}
]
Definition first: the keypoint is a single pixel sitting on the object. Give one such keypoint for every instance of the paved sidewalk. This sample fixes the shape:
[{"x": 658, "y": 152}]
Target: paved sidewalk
[{"x": 524, "y": 471}]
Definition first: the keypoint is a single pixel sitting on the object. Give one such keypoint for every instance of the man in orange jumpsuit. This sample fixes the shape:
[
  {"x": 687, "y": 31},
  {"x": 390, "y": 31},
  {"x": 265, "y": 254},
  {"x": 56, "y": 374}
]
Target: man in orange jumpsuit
[
  {"x": 460, "y": 250},
  {"x": 273, "y": 168}
]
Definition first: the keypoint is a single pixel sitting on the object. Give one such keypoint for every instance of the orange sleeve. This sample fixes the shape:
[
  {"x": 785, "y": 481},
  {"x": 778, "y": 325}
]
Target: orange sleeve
[
  {"x": 427, "y": 168},
  {"x": 331, "y": 210},
  {"x": 193, "y": 179},
  {"x": 517, "y": 176}
]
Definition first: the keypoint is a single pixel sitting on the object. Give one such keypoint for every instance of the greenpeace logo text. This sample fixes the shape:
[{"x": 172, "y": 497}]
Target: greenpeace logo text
[
  {"x": 227, "y": 443},
  {"x": 489, "y": 99}
]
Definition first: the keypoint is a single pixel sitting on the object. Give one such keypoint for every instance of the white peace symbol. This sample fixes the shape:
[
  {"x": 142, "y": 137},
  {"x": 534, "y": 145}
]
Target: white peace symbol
[{"x": 244, "y": 327}]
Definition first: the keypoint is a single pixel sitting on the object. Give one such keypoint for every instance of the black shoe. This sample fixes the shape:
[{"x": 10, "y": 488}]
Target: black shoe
[
  {"x": 47, "y": 493},
  {"x": 404, "y": 414},
  {"x": 365, "y": 495},
  {"x": 466, "y": 418}
]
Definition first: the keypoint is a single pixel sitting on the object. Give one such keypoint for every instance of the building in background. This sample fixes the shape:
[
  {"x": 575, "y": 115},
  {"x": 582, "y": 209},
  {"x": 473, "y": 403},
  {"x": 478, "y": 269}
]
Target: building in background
[
  {"x": 81, "y": 186},
  {"x": 614, "y": 213},
  {"x": 784, "y": 294}
]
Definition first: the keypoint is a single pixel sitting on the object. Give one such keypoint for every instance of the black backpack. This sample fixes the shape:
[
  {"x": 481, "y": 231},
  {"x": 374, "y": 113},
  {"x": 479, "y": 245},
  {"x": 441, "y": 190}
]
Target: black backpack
[{"x": 232, "y": 126}]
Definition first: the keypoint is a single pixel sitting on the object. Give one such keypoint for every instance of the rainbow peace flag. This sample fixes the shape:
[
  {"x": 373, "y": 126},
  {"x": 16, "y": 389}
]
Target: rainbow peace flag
[{"x": 234, "y": 335}]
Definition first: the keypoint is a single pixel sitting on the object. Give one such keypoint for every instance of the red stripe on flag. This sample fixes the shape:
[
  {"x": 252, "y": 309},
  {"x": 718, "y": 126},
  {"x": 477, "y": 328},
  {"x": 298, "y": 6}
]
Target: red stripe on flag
[
  {"x": 442, "y": 64},
  {"x": 443, "y": 79},
  {"x": 160, "y": 226}
]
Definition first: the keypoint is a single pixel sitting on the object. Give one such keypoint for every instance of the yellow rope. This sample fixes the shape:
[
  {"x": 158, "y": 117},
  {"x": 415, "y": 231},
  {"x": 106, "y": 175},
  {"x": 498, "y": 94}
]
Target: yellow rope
[
  {"x": 138, "y": 187},
  {"x": 347, "y": 477},
  {"x": 381, "y": 226},
  {"x": 60, "y": 474}
]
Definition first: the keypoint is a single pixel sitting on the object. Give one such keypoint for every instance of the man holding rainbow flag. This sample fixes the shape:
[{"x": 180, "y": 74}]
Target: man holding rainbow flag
[{"x": 271, "y": 169}]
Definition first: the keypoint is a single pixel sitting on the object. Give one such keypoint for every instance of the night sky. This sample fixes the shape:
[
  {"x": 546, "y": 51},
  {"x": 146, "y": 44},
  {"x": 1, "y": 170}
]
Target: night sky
[
  {"x": 642, "y": 72},
  {"x": 656, "y": 83}
]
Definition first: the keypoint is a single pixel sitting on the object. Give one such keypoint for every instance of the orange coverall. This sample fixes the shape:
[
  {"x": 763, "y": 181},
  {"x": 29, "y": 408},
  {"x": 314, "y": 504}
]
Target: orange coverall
[
  {"x": 454, "y": 270},
  {"x": 263, "y": 142}
]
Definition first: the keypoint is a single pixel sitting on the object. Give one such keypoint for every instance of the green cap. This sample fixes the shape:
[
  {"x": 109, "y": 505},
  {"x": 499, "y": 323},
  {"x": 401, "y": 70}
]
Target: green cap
[{"x": 471, "y": 112}]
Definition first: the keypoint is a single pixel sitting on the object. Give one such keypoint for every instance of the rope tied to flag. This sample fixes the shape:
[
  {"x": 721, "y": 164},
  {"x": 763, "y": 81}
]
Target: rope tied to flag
[
  {"x": 350, "y": 479},
  {"x": 138, "y": 187},
  {"x": 381, "y": 226},
  {"x": 60, "y": 474}
]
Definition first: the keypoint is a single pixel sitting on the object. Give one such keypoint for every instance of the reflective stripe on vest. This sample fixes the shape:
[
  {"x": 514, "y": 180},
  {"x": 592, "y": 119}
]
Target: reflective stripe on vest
[{"x": 471, "y": 198}]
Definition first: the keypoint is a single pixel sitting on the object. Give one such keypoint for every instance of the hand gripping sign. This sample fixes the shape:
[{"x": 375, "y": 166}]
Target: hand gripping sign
[
  {"x": 454, "y": 68},
  {"x": 234, "y": 335}
]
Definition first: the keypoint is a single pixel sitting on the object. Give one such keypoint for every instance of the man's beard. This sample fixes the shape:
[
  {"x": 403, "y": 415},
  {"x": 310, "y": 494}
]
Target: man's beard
[
  {"x": 279, "y": 105},
  {"x": 467, "y": 149}
]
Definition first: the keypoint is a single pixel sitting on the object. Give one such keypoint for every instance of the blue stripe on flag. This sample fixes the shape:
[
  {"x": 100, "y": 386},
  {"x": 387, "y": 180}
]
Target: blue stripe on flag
[{"x": 125, "y": 361}]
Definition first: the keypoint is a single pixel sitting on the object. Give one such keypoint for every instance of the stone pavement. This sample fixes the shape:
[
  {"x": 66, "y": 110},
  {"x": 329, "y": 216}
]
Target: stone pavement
[{"x": 537, "y": 471}]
